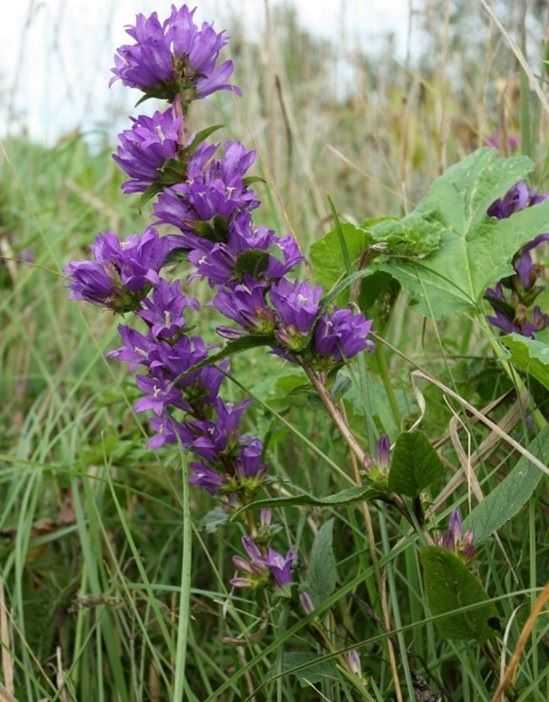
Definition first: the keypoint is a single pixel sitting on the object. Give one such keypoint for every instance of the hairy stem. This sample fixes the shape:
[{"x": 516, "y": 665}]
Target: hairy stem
[{"x": 338, "y": 418}]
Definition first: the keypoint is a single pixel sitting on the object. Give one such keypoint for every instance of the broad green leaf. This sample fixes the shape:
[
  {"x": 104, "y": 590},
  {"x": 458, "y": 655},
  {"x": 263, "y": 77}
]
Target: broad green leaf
[
  {"x": 450, "y": 585},
  {"x": 414, "y": 464},
  {"x": 510, "y": 496},
  {"x": 530, "y": 356},
  {"x": 313, "y": 673},
  {"x": 344, "y": 497},
  {"x": 322, "y": 573},
  {"x": 327, "y": 258},
  {"x": 476, "y": 250}
]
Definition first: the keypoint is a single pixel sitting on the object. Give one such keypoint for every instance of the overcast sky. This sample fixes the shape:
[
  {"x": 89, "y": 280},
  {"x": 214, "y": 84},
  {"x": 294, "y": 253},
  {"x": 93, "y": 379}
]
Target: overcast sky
[{"x": 55, "y": 55}]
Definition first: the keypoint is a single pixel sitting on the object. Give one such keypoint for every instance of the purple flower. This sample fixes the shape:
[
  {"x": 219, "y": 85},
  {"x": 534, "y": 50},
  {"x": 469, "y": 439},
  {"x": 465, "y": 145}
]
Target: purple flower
[
  {"x": 174, "y": 57},
  {"x": 135, "y": 349},
  {"x": 122, "y": 272},
  {"x": 342, "y": 334},
  {"x": 214, "y": 439},
  {"x": 297, "y": 305},
  {"x": 383, "y": 451},
  {"x": 174, "y": 361},
  {"x": 455, "y": 540},
  {"x": 523, "y": 263},
  {"x": 159, "y": 393},
  {"x": 245, "y": 304},
  {"x": 249, "y": 461},
  {"x": 517, "y": 198},
  {"x": 164, "y": 310},
  {"x": 166, "y": 431},
  {"x": 259, "y": 566},
  {"x": 514, "y": 317},
  {"x": 206, "y": 478},
  {"x": 281, "y": 567},
  {"x": 214, "y": 192},
  {"x": 146, "y": 148},
  {"x": 352, "y": 659},
  {"x": 495, "y": 141},
  {"x": 246, "y": 255}
]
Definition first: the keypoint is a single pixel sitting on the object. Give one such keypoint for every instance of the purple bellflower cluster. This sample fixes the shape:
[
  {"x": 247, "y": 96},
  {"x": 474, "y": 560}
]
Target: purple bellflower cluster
[
  {"x": 203, "y": 192},
  {"x": 513, "y": 299}
]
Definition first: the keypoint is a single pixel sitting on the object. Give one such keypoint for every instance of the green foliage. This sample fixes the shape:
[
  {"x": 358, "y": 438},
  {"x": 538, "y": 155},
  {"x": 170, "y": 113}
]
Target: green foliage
[
  {"x": 322, "y": 571},
  {"x": 475, "y": 250},
  {"x": 338, "y": 499},
  {"x": 450, "y": 585},
  {"x": 314, "y": 673},
  {"x": 530, "y": 356},
  {"x": 414, "y": 464},
  {"x": 327, "y": 257},
  {"x": 510, "y": 495},
  {"x": 416, "y": 236}
]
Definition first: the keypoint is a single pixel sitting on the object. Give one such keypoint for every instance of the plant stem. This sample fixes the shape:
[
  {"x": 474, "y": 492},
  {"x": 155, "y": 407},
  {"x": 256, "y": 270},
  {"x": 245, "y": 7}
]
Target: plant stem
[
  {"x": 338, "y": 418},
  {"x": 185, "y": 590}
]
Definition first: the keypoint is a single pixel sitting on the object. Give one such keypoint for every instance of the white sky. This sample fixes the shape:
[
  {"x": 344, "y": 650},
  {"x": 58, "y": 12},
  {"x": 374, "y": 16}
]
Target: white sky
[{"x": 55, "y": 55}]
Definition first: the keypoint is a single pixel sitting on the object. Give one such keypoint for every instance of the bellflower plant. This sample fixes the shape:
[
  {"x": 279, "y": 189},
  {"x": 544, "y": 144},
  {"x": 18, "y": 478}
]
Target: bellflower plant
[{"x": 513, "y": 298}]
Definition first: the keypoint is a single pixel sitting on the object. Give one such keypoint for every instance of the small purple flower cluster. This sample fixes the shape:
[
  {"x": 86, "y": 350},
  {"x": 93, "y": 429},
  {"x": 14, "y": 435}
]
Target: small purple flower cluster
[
  {"x": 203, "y": 191},
  {"x": 456, "y": 540},
  {"x": 513, "y": 298}
]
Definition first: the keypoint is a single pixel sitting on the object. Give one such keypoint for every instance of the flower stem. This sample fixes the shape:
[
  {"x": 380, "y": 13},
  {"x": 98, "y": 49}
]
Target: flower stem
[{"x": 338, "y": 418}]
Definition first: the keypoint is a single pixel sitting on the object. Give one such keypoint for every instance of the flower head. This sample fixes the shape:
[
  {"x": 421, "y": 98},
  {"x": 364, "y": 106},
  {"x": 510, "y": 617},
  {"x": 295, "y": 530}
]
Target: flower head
[
  {"x": 517, "y": 198},
  {"x": 214, "y": 192},
  {"x": 173, "y": 57},
  {"x": 454, "y": 539},
  {"x": 523, "y": 263},
  {"x": 164, "y": 310},
  {"x": 245, "y": 304},
  {"x": 342, "y": 334},
  {"x": 147, "y": 148},
  {"x": 297, "y": 305},
  {"x": 123, "y": 271},
  {"x": 263, "y": 566},
  {"x": 247, "y": 254}
]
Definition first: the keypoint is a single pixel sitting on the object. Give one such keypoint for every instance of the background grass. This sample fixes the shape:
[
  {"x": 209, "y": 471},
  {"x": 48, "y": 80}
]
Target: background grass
[{"x": 91, "y": 521}]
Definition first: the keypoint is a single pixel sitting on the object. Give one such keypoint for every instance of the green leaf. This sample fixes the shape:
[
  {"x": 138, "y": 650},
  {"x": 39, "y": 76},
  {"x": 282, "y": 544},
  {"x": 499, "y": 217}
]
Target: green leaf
[
  {"x": 450, "y": 585},
  {"x": 511, "y": 494},
  {"x": 344, "y": 497},
  {"x": 312, "y": 674},
  {"x": 414, "y": 464},
  {"x": 322, "y": 573},
  {"x": 201, "y": 136},
  {"x": 530, "y": 356},
  {"x": 378, "y": 293},
  {"x": 327, "y": 257},
  {"x": 251, "y": 180},
  {"x": 475, "y": 250}
]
